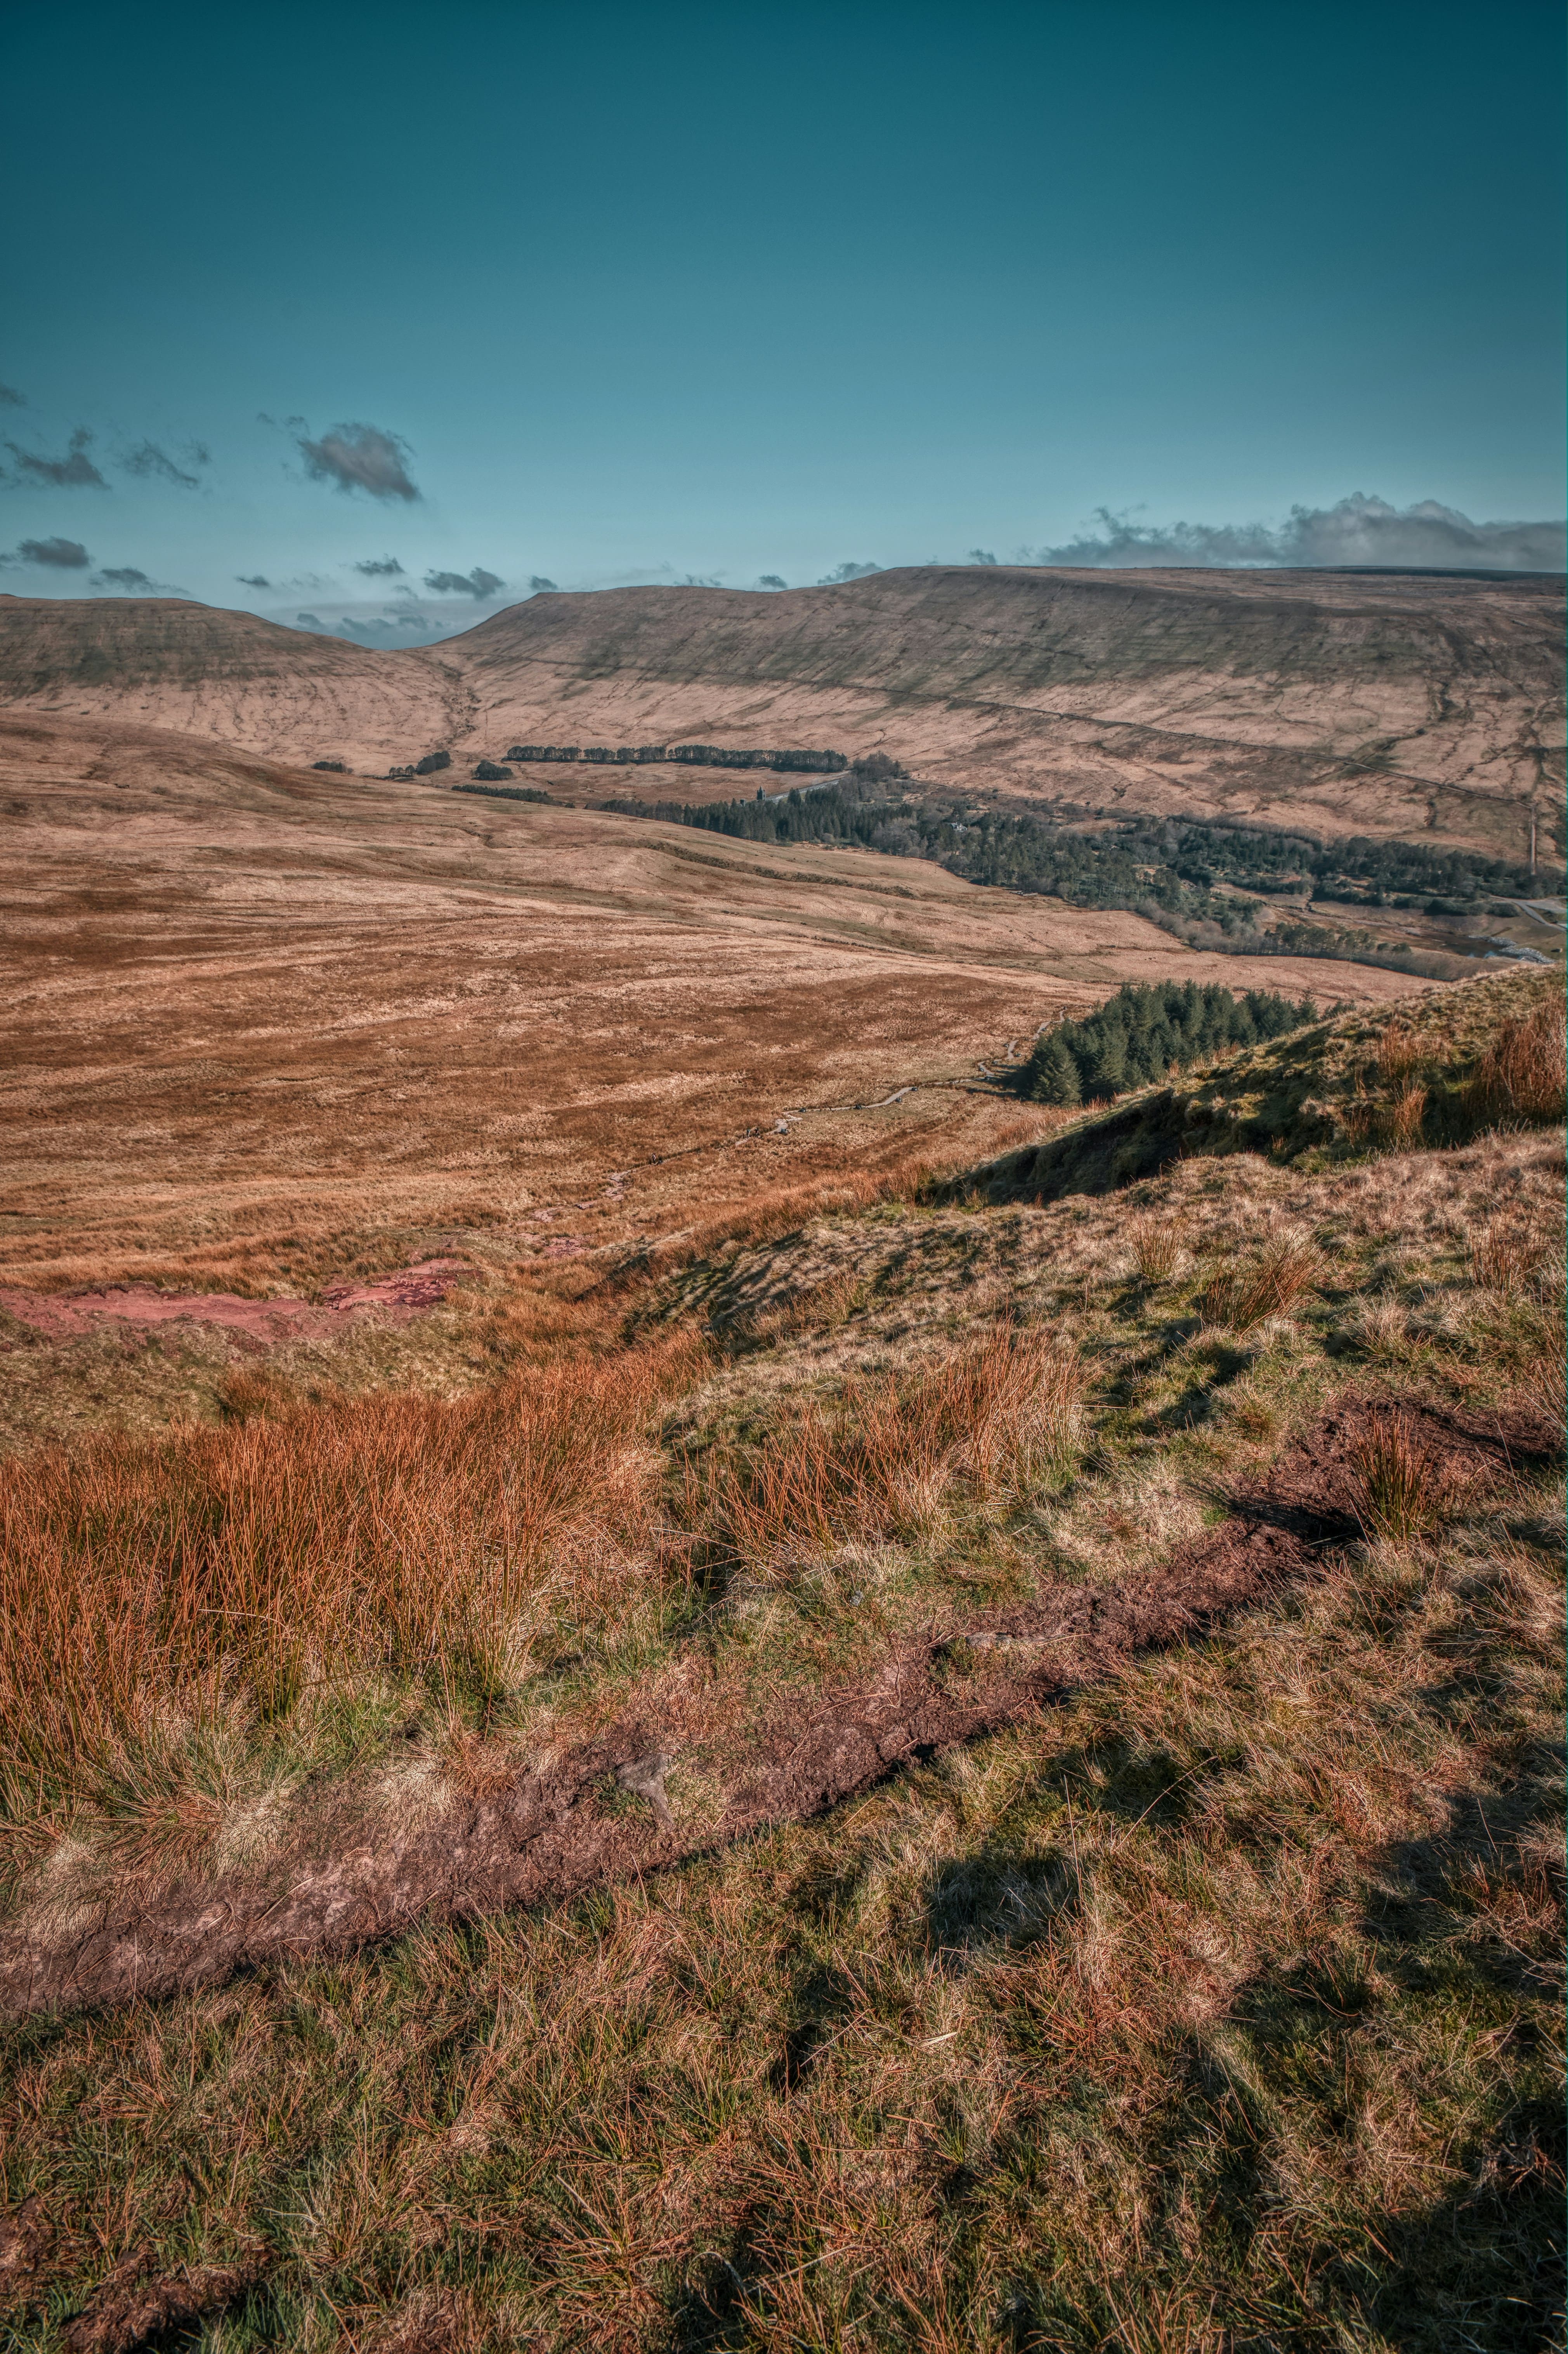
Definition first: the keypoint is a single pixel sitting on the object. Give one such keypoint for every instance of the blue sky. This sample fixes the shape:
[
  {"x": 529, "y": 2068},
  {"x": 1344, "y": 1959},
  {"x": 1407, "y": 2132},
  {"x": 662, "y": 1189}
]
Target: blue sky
[{"x": 650, "y": 293}]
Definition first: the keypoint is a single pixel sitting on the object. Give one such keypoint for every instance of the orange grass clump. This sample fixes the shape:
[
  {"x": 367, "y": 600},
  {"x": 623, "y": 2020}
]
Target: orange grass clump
[
  {"x": 1503, "y": 1256},
  {"x": 998, "y": 1417},
  {"x": 1405, "y": 1117},
  {"x": 1155, "y": 1247},
  {"x": 1270, "y": 1286},
  {"x": 1398, "y": 1052},
  {"x": 1403, "y": 1489},
  {"x": 224, "y": 1571},
  {"x": 1524, "y": 1072}
]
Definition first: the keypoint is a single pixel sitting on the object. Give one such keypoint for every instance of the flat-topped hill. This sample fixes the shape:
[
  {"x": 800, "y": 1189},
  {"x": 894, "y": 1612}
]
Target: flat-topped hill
[
  {"x": 166, "y": 662},
  {"x": 1415, "y": 705}
]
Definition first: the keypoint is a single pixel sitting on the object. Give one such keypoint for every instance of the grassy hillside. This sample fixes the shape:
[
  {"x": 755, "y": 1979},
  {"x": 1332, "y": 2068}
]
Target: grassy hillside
[
  {"x": 1163, "y": 871},
  {"x": 1437, "y": 1071},
  {"x": 977, "y": 1773},
  {"x": 1419, "y": 706}
]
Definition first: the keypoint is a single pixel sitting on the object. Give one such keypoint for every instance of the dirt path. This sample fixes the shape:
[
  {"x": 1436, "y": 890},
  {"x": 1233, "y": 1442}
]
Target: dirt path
[
  {"x": 263, "y": 1324},
  {"x": 605, "y": 1811}
]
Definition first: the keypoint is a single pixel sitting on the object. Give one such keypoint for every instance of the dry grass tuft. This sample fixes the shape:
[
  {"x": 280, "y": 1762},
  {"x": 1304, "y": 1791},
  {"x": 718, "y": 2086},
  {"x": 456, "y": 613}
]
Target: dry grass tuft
[
  {"x": 1523, "y": 1072},
  {"x": 160, "y": 1822},
  {"x": 1404, "y": 1119},
  {"x": 1271, "y": 1286},
  {"x": 1545, "y": 1388},
  {"x": 1398, "y": 1053},
  {"x": 1504, "y": 1255},
  {"x": 1155, "y": 1247},
  {"x": 217, "y": 1577},
  {"x": 994, "y": 1420},
  {"x": 1403, "y": 1489}
]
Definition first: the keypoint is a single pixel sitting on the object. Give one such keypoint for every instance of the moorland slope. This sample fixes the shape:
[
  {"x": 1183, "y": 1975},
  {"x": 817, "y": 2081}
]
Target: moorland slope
[
  {"x": 973, "y": 1774},
  {"x": 1378, "y": 703},
  {"x": 271, "y": 1028}
]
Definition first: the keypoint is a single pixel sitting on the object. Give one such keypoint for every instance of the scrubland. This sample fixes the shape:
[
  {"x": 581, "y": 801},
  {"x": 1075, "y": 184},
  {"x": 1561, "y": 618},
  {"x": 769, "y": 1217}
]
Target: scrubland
[{"x": 476, "y": 1871}]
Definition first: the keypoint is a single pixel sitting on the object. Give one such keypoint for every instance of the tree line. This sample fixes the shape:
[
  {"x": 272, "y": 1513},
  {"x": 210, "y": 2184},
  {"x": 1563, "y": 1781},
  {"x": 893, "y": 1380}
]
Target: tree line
[{"x": 1139, "y": 1034}]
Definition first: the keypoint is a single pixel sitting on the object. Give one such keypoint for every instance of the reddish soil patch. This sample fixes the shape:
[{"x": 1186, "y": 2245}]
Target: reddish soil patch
[
  {"x": 137, "y": 2301},
  {"x": 67, "y": 1315},
  {"x": 544, "y": 1835}
]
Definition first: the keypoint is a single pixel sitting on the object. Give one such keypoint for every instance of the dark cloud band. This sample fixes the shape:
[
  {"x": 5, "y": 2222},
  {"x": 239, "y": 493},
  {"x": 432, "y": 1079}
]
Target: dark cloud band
[
  {"x": 151, "y": 463},
  {"x": 75, "y": 471},
  {"x": 55, "y": 554},
  {"x": 477, "y": 583}
]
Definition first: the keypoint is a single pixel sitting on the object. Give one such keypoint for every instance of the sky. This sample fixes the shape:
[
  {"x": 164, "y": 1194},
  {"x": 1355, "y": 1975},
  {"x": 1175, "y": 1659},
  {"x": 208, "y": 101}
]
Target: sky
[{"x": 378, "y": 320}]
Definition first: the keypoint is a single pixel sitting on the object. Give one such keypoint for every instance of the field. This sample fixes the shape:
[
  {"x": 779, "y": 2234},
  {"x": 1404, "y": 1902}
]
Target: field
[{"x": 673, "y": 1676}]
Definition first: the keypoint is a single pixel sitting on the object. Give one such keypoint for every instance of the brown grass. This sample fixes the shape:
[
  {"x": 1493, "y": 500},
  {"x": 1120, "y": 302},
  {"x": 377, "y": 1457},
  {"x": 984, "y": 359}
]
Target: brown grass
[
  {"x": 1155, "y": 1247},
  {"x": 1398, "y": 1053},
  {"x": 772, "y": 1212},
  {"x": 1546, "y": 1386},
  {"x": 1404, "y": 1119},
  {"x": 1521, "y": 1073},
  {"x": 1404, "y": 1488},
  {"x": 1504, "y": 1255},
  {"x": 1246, "y": 1296},
  {"x": 996, "y": 1418},
  {"x": 1215, "y": 2008},
  {"x": 221, "y": 1574}
]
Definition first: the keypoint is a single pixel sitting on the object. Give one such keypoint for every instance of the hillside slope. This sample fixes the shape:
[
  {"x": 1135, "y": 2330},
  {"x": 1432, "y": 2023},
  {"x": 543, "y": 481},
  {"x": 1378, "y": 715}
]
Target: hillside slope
[
  {"x": 1384, "y": 704},
  {"x": 969, "y": 1777},
  {"x": 263, "y": 1022},
  {"x": 1485, "y": 1050},
  {"x": 1376, "y": 703},
  {"x": 231, "y": 678}
]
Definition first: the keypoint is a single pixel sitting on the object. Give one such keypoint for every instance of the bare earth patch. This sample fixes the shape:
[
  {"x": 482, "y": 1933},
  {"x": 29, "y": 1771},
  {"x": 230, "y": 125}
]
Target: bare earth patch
[{"x": 265, "y": 1323}]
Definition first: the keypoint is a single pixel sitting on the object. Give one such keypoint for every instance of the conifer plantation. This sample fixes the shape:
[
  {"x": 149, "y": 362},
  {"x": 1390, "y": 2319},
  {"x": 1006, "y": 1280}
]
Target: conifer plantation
[{"x": 1137, "y": 1035}]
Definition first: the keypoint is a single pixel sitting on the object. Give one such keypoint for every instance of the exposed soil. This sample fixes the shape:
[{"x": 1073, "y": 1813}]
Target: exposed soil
[
  {"x": 262, "y": 1323},
  {"x": 136, "y": 2301},
  {"x": 605, "y": 1810}
]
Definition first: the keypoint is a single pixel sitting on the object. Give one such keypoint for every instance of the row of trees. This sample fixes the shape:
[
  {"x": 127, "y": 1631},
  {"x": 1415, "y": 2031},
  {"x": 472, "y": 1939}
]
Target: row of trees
[
  {"x": 1139, "y": 1034},
  {"x": 849, "y": 811},
  {"x": 689, "y": 756}
]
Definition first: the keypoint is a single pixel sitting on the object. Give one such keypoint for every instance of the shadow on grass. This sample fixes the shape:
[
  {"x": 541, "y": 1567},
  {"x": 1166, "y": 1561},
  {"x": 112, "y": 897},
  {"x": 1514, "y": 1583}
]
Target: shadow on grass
[{"x": 1484, "y": 2267}]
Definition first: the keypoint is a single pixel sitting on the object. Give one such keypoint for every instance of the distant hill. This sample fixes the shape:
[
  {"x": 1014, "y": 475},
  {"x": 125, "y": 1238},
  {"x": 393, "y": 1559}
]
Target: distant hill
[
  {"x": 1419, "y": 705},
  {"x": 163, "y": 662}
]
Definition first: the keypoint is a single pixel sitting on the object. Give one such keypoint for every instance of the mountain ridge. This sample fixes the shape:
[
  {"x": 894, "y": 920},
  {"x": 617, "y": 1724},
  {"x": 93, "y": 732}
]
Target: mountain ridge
[{"x": 1425, "y": 705}]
